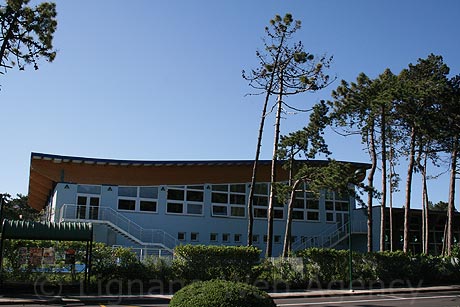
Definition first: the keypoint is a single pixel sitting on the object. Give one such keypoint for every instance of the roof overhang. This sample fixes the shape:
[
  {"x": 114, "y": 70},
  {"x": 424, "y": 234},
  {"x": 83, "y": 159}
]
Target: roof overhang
[{"x": 46, "y": 170}]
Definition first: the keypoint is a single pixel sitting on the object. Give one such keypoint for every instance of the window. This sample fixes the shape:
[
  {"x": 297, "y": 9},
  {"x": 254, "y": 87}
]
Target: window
[
  {"x": 194, "y": 236},
  {"x": 213, "y": 237},
  {"x": 142, "y": 198},
  {"x": 185, "y": 200},
  {"x": 89, "y": 189},
  {"x": 260, "y": 203},
  {"x": 228, "y": 200},
  {"x": 126, "y": 204},
  {"x": 306, "y": 205},
  {"x": 225, "y": 237},
  {"x": 237, "y": 238},
  {"x": 255, "y": 238},
  {"x": 277, "y": 239},
  {"x": 181, "y": 236},
  {"x": 336, "y": 207}
]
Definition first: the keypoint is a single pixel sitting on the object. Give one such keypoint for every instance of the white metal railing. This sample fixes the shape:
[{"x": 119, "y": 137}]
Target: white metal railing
[
  {"x": 106, "y": 214},
  {"x": 330, "y": 236}
]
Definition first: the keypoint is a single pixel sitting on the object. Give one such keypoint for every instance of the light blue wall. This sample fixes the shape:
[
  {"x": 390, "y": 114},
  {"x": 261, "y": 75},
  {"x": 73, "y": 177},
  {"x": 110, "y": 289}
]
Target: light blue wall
[{"x": 204, "y": 225}]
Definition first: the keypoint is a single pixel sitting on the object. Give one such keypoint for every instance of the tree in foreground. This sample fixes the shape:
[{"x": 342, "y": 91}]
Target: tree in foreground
[
  {"x": 26, "y": 34},
  {"x": 286, "y": 69}
]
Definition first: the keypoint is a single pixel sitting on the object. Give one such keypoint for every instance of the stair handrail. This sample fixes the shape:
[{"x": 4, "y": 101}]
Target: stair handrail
[
  {"x": 124, "y": 223},
  {"x": 302, "y": 243}
]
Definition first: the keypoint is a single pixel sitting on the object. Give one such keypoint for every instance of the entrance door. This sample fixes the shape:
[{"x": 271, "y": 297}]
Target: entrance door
[{"x": 87, "y": 207}]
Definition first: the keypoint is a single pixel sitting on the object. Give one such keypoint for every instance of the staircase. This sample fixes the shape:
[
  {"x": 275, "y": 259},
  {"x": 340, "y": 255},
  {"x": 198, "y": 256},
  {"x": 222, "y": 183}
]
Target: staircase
[
  {"x": 330, "y": 237},
  {"x": 149, "y": 239}
]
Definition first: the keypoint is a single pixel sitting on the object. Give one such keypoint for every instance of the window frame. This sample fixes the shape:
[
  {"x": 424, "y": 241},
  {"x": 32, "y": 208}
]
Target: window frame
[
  {"x": 231, "y": 191},
  {"x": 185, "y": 202},
  {"x": 138, "y": 199}
]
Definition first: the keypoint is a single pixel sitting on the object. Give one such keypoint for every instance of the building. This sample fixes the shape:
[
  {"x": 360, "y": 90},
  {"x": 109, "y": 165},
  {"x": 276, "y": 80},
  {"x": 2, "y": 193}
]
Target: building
[{"x": 153, "y": 206}]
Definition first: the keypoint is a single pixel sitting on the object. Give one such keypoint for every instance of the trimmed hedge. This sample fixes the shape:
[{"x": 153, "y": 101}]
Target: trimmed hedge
[
  {"x": 220, "y": 293},
  {"x": 200, "y": 262}
]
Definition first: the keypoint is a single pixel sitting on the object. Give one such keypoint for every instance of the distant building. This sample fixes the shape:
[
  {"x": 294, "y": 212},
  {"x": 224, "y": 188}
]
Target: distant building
[{"x": 153, "y": 206}]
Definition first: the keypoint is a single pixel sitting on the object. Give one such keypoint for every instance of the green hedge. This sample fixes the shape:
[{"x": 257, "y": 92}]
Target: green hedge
[
  {"x": 219, "y": 293},
  {"x": 200, "y": 262}
]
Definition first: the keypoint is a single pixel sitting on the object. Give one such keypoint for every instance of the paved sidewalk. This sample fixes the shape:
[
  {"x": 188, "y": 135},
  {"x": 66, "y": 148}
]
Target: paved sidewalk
[{"x": 25, "y": 299}]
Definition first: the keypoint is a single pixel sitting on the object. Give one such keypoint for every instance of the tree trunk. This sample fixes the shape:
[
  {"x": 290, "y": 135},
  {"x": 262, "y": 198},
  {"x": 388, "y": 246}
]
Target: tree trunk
[
  {"x": 425, "y": 212},
  {"x": 256, "y": 164},
  {"x": 450, "y": 207},
  {"x": 370, "y": 182},
  {"x": 410, "y": 171},
  {"x": 259, "y": 145},
  {"x": 287, "y": 235},
  {"x": 391, "y": 196},
  {"x": 271, "y": 201},
  {"x": 384, "y": 180}
]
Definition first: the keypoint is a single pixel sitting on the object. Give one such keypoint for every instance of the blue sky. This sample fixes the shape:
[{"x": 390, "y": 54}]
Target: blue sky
[{"x": 161, "y": 80}]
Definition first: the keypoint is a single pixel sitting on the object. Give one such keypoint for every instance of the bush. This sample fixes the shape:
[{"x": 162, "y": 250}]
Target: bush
[
  {"x": 324, "y": 265},
  {"x": 219, "y": 293},
  {"x": 200, "y": 262}
]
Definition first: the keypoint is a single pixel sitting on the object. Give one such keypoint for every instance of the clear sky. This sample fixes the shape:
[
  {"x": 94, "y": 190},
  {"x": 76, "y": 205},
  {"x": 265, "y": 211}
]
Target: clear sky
[{"x": 161, "y": 79}]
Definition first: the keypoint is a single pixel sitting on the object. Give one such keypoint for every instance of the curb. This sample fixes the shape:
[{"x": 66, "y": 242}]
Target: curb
[{"x": 164, "y": 299}]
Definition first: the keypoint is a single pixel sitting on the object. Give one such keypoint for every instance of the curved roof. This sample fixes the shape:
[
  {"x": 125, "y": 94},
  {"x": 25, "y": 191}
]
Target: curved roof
[
  {"x": 65, "y": 231},
  {"x": 47, "y": 169}
]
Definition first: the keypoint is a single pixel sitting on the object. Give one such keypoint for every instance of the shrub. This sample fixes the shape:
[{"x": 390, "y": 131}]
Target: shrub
[
  {"x": 200, "y": 262},
  {"x": 324, "y": 265},
  {"x": 219, "y": 293}
]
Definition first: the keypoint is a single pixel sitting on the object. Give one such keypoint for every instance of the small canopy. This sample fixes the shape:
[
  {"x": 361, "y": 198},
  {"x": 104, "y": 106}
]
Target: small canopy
[{"x": 66, "y": 231}]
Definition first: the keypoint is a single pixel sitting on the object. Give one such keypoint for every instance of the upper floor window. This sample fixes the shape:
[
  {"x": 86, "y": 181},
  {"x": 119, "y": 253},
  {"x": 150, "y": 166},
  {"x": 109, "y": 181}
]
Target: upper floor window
[
  {"x": 185, "y": 200},
  {"x": 88, "y": 189},
  {"x": 306, "y": 205},
  {"x": 143, "y": 199},
  {"x": 228, "y": 200},
  {"x": 261, "y": 202},
  {"x": 336, "y": 205}
]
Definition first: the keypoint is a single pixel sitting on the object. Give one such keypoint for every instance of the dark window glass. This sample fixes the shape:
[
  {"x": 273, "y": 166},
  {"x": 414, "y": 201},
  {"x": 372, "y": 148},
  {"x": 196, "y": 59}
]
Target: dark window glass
[
  {"x": 195, "y": 196},
  {"x": 174, "y": 208},
  {"x": 261, "y": 188},
  {"x": 239, "y": 188},
  {"x": 220, "y": 187},
  {"x": 260, "y": 212},
  {"x": 126, "y": 204},
  {"x": 312, "y": 204},
  {"x": 150, "y": 206},
  {"x": 213, "y": 237},
  {"x": 174, "y": 194},
  {"x": 260, "y": 201},
  {"x": 225, "y": 237},
  {"x": 298, "y": 203},
  {"x": 312, "y": 216},
  {"x": 238, "y": 211},
  {"x": 329, "y": 217},
  {"x": 194, "y": 236},
  {"x": 181, "y": 236},
  {"x": 329, "y": 205},
  {"x": 219, "y": 210},
  {"x": 219, "y": 198},
  {"x": 278, "y": 214},
  {"x": 237, "y": 199},
  {"x": 297, "y": 215},
  {"x": 237, "y": 238}
]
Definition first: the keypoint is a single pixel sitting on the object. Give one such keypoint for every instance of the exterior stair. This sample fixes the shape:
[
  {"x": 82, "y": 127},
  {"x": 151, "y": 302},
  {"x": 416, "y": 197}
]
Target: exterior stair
[
  {"x": 146, "y": 239},
  {"x": 330, "y": 237}
]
